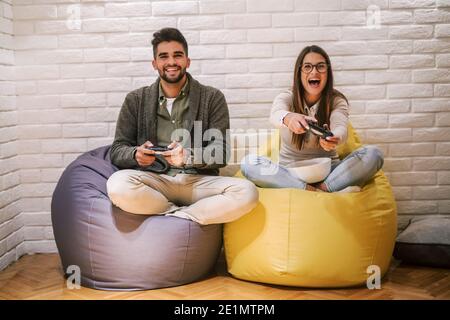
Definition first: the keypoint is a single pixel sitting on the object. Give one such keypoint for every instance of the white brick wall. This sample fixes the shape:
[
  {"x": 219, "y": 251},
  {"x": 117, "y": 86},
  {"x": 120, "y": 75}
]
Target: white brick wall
[
  {"x": 63, "y": 80},
  {"x": 11, "y": 222}
]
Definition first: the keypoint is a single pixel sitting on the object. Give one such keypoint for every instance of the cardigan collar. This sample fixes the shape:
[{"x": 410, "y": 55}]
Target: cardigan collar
[{"x": 150, "y": 110}]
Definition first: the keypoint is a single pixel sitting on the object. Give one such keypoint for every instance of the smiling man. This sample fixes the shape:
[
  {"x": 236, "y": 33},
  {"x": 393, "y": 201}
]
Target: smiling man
[{"x": 189, "y": 124}]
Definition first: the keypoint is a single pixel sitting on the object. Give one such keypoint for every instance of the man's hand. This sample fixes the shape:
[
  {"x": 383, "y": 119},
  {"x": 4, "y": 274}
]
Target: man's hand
[
  {"x": 177, "y": 156},
  {"x": 330, "y": 143},
  {"x": 296, "y": 122},
  {"x": 144, "y": 156}
]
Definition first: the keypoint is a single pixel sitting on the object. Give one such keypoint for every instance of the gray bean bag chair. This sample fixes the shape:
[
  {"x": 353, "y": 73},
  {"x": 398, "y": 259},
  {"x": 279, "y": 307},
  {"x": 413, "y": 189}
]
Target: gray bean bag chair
[{"x": 116, "y": 250}]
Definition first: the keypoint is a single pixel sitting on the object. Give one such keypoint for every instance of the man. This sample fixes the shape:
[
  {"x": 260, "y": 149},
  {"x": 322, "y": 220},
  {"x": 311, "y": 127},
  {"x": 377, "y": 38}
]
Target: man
[{"x": 191, "y": 120}]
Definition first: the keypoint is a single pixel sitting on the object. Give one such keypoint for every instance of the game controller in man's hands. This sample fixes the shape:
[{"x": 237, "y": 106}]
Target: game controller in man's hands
[
  {"x": 318, "y": 130},
  {"x": 158, "y": 148}
]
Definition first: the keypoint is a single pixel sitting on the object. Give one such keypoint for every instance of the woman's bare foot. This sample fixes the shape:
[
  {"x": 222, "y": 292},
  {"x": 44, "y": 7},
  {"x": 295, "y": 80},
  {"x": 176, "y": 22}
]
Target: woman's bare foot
[
  {"x": 321, "y": 187},
  {"x": 310, "y": 188}
]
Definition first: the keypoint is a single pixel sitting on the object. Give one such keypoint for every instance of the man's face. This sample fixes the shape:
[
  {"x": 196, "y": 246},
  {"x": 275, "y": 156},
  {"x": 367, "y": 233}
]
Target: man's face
[{"x": 171, "y": 61}]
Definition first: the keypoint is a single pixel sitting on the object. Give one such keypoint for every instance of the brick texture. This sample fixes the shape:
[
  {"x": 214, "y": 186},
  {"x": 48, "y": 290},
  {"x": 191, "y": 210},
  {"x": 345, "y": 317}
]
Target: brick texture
[
  {"x": 65, "y": 68},
  {"x": 11, "y": 222}
]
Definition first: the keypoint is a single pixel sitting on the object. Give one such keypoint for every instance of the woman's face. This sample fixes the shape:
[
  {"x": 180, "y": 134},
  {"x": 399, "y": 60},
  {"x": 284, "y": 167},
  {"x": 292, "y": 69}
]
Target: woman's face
[{"x": 314, "y": 82}]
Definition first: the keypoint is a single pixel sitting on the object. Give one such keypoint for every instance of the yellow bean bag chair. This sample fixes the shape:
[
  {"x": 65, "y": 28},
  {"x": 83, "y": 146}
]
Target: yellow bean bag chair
[{"x": 310, "y": 239}]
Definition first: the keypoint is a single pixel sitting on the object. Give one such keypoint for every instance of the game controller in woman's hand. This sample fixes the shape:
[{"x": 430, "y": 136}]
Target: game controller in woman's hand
[{"x": 318, "y": 130}]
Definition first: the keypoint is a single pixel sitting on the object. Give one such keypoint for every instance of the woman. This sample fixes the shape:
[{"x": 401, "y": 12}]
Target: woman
[{"x": 313, "y": 98}]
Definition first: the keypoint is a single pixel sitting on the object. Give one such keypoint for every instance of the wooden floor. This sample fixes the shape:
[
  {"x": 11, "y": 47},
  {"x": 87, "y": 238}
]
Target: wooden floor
[{"x": 40, "y": 277}]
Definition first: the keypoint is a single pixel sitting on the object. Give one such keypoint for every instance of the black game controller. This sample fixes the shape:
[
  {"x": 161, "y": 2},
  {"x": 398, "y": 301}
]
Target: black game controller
[
  {"x": 158, "y": 148},
  {"x": 318, "y": 130}
]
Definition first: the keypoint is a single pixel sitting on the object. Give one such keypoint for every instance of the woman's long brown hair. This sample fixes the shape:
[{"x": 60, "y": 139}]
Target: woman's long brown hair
[{"x": 327, "y": 96}]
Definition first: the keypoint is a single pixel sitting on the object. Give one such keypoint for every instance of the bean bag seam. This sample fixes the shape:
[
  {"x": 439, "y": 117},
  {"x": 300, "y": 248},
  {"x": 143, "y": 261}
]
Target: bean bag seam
[
  {"x": 424, "y": 244},
  {"x": 289, "y": 234},
  {"x": 89, "y": 242},
  {"x": 378, "y": 241},
  {"x": 187, "y": 249},
  {"x": 379, "y": 231}
]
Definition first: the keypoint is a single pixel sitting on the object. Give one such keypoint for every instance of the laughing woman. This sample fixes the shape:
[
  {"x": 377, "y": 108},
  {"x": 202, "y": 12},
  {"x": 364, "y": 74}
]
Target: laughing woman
[{"x": 313, "y": 98}]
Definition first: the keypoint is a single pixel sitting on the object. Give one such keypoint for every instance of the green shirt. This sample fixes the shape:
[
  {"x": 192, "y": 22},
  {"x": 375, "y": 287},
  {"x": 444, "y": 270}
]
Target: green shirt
[{"x": 169, "y": 123}]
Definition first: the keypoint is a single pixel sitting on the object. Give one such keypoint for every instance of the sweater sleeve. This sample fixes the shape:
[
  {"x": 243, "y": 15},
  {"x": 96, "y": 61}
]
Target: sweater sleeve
[
  {"x": 125, "y": 139},
  {"x": 280, "y": 108},
  {"x": 339, "y": 119}
]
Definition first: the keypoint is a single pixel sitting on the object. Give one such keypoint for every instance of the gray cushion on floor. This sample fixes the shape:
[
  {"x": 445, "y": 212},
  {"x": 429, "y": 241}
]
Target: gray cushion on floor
[
  {"x": 425, "y": 241},
  {"x": 116, "y": 250}
]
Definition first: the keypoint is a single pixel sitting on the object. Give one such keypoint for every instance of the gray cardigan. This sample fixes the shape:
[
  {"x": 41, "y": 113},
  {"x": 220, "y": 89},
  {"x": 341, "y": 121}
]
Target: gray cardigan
[{"x": 137, "y": 123}]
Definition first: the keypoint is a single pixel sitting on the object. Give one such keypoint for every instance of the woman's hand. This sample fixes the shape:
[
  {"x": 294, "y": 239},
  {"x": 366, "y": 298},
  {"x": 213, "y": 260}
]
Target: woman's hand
[
  {"x": 329, "y": 143},
  {"x": 296, "y": 122},
  {"x": 143, "y": 156}
]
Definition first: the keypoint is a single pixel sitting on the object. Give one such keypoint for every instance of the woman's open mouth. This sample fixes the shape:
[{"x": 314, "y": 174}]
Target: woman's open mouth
[{"x": 314, "y": 83}]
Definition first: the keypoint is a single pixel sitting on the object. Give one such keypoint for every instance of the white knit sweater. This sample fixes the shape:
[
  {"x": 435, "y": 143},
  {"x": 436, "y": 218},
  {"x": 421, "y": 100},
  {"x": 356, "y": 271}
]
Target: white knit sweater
[{"x": 289, "y": 154}]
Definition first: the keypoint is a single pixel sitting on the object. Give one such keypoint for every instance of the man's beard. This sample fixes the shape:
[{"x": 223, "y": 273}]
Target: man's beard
[{"x": 173, "y": 80}]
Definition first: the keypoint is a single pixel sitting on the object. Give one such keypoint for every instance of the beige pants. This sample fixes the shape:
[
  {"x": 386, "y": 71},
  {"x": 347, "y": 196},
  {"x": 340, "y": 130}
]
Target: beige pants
[{"x": 204, "y": 199}]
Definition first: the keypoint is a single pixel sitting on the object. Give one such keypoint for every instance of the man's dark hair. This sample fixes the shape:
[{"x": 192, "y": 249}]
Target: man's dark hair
[{"x": 168, "y": 34}]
